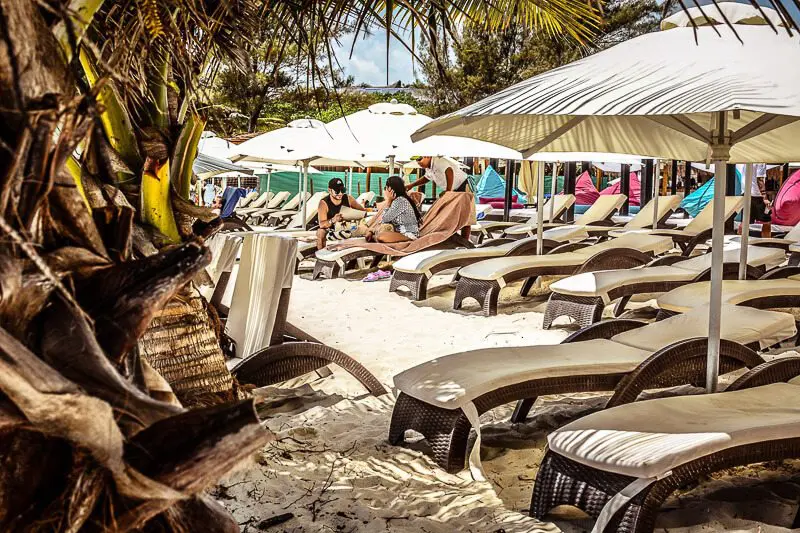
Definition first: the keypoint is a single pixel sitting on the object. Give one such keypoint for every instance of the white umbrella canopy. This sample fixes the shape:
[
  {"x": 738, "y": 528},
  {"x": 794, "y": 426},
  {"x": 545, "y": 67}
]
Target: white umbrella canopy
[
  {"x": 300, "y": 143},
  {"x": 679, "y": 93},
  {"x": 448, "y": 145},
  {"x": 658, "y": 94},
  {"x": 380, "y": 130}
]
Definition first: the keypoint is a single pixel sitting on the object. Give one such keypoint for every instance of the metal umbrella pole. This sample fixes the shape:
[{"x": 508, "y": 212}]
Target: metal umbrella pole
[
  {"x": 748, "y": 183},
  {"x": 305, "y": 187},
  {"x": 540, "y": 210},
  {"x": 350, "y": 180},
  {"x": 720, "y": 154},
  {"x": 269, "y": 177},
  {"x": 553, "y": 180}
]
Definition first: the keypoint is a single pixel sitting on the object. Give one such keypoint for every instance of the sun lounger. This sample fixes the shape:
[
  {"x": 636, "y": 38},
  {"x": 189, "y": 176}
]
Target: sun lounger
[
  {"x": 791, "y": 237},
  {"x": 772, "y": 293},
  {"x": 484, "y": 280},
  {"x": 583, "y": 297},
  {"x": 247, "y": 200},
  {"x": 259, "y": 203},
  {"x": 698, "y": 230},
  {"x": 436, "y": 398},
  {"x": 414, "y": 271},
  {"x": 289, "y": 219},
  {"x": 562, "y": 202},
  {"x": 439, "y": 231},
  {"x": 644, "y": 218},
  {"x": 619, "y": 465},
  {"x": 267, "y": 348},
  {"x": 599, "y": 213},
  {"x": 365, "y": 198},
  {"x": 258, "y": 217}
]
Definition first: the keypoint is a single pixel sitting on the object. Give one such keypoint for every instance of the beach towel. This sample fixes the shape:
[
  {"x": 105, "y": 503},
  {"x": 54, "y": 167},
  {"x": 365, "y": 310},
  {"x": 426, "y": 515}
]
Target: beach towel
[
  {"x": 230, "y": 198},
  {"x": 451, "y": 212},
  {"x": 786, "y": 209}
]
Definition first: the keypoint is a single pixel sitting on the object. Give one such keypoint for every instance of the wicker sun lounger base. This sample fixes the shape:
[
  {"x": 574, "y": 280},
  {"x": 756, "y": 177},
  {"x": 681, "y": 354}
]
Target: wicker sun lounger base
[
  {"x": 486, "y": 292},
  {"x": 447, "y": 430},
  {"x": 417, "y": 282},
  {"x": 586, "y": 310},
  {"x": 332, "y": 269},
  {"x": 562, "y": 481}
]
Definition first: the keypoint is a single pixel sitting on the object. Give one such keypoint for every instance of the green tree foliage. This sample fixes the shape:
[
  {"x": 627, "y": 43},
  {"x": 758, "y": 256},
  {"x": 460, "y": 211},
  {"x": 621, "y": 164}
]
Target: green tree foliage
[{"x": 482, "y": 62}]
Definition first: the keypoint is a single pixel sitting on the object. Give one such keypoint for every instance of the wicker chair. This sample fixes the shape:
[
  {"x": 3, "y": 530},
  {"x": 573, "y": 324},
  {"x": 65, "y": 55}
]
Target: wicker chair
[
  {"x": 598, "y": 358},
  {"x": 484, "y": 280},
  {"x": 583, "y": 296},
  {"x": 291, "y": 352},
  {"x": 414, "y": 271},
  {"x": 565, "y": 481}
]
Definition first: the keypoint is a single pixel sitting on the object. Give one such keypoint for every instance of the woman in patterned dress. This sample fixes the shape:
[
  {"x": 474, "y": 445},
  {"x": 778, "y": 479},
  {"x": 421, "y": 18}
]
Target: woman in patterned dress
[{"x": 401, "y": 214}]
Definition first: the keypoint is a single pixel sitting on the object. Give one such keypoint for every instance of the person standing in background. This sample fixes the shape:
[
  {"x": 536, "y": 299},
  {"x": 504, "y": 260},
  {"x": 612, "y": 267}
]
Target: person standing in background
[
  {"x": 760, "y": 206},
  {"x": 446, "y": 174}
]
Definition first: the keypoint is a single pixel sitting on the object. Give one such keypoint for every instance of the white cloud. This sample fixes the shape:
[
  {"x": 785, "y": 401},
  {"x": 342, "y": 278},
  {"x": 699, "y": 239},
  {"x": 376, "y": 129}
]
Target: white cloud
[{"x": 368, "y": 63}]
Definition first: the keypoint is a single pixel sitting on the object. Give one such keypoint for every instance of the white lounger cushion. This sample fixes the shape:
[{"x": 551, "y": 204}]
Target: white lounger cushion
[
  {"x": 600, "y": 283},
  {"x": 452, "y": 381},
  {"x": 739, "y": 324},
  {"x": 278, "y": 199},
  {"x": 644, "y": 218},
  {"x": 600, "y": 210},
  {"x": 494, "y": 269},
  {"x": 422, "y": 262},
  {"x": 562, "y": 203},
  {"x": 702, "y": 222},
  {"x": 734, "y": 292},
  {"x": 336, "y": 255},
  {"x": 648, "y": 439}
]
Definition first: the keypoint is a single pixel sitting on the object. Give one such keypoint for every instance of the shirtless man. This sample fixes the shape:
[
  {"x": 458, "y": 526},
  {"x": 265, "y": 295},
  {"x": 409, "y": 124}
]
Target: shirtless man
[{"x": 329, "y": 212}]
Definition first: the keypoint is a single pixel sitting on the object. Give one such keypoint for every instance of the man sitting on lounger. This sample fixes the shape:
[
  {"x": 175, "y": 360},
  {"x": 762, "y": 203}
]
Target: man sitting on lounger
[{"x": 329, "y": 211}]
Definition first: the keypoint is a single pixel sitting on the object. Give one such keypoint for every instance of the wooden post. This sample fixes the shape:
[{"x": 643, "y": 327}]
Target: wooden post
[
  {"x": 647, "y": 182},
  {"x": 687, "y": 176},
  {"x": 730, "y": 180},
  {"x": 625, "y": 188},
  {"x": 509, "y": 189},
  {"x": 673, "y": 186},
  {"x": 369, "y": 178},
  {"x": 570, "y": 170}
]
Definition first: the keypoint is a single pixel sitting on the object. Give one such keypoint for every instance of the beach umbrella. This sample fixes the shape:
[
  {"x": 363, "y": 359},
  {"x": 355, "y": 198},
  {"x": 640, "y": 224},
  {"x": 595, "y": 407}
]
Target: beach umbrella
[
  {"x": 206, "y": 166},
  {"x": 720, "y": 93},
  {"x": 300, "y": 143},
  {"x": 379, "y": 131}
]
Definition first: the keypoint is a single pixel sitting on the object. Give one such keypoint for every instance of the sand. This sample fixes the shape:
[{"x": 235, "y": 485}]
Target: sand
[{"x": 332, "y": 469}]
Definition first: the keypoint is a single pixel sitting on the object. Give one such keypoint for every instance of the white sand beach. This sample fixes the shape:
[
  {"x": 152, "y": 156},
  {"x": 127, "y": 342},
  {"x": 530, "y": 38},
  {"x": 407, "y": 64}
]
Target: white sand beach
[{"x": 332, "y": 469}]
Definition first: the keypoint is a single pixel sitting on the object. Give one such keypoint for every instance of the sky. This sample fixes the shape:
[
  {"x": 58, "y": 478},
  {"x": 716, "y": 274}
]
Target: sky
[{"x": 368, "y": 62}]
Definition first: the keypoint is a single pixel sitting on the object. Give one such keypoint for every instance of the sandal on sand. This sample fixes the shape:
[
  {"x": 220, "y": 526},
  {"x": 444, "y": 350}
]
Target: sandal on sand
[{"x": 378, "y": 275}]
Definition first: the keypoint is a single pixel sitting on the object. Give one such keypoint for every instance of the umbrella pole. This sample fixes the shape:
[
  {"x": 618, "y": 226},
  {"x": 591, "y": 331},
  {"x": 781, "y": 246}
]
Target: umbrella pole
[
  {"x": 350, "y": 180},
  {"x": 553, "y": 180},
  {"x": 721, "y": 154},
  {"x": 269, "y": 177},
  {"x": 305, "y": 187},
  {"x": 540, "y": 209},
  {"x": 656, "y": 190},
  {"x": 748, "y": 182},
  {"x": 391, "y": 165}
]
